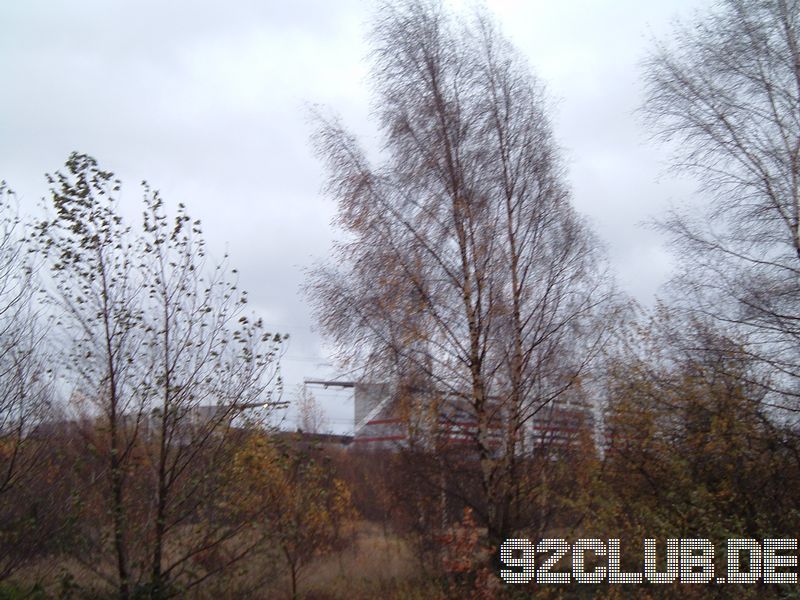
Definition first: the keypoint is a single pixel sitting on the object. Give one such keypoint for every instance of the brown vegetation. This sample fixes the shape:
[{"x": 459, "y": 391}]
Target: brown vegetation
[{"x": 470, "y": 290}]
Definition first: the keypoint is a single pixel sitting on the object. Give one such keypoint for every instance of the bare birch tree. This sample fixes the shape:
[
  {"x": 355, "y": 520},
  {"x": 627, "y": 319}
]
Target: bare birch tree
[
  {"x": 23, "y": 370},
  {"x": 727, "y": 91},
  {"x": 310, "y": 415},
  {"x": 25, "y": 389},
  {"x": 465, "y": 272}
]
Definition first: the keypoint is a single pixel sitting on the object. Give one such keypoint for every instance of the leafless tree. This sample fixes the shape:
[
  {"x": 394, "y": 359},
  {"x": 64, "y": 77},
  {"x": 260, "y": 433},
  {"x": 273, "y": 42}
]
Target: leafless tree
[
  {"x": 465, "y": 273},
  {"x": 728, "y": 93},
  {"x": 311, "y": 416},
  {"x": 25, "y": 385}
]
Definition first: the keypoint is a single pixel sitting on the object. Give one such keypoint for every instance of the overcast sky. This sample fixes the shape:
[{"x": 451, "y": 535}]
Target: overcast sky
[{"x": 207, "y": 101}]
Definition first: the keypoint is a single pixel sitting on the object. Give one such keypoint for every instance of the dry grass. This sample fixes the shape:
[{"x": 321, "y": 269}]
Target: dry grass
[
  {"x": 376, "y": 565},
  {"x": 375, "y": 561}
]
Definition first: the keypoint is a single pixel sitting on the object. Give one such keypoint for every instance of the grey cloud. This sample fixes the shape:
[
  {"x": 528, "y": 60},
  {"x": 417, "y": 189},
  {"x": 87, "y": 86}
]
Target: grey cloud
[{"x": 206, "y": 101}]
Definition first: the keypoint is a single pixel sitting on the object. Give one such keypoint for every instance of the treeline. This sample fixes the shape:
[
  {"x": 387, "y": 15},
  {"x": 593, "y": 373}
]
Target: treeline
[
  {"x": 533, "y": 398},
  {"x": 466, "y": 277},
  {"x": 137, "y": 456}
]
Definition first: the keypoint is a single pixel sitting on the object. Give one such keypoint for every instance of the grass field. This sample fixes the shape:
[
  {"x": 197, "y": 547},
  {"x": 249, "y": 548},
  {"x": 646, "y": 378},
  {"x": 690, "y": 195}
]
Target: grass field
[{"x": 376, "y": 565}]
